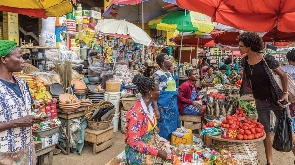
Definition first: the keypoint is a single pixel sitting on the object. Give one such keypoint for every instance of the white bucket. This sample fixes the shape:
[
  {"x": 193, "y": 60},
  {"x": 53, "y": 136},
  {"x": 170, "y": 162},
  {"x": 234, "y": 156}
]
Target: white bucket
[
  {"x": 42, "y": 40},
  {"x": 114, "y": 98},
  {"x": 116, "y": 121},
  {"x": 123, "y": 121}
]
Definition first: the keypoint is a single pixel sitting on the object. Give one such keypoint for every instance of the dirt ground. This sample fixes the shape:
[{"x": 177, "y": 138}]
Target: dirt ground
[{"x": 87, "y": 158}]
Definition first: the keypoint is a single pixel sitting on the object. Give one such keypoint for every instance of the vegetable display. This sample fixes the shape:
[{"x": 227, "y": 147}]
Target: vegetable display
[{"x": 247, "y": 107}]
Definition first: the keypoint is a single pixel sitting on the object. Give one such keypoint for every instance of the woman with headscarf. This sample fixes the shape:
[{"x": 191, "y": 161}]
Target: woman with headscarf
[
  {"x": 189, "y": 102},
  {"x": 166, "y": 106},
  {"x": 141, "y": 131},
  {"x": 16, "y": 141}
]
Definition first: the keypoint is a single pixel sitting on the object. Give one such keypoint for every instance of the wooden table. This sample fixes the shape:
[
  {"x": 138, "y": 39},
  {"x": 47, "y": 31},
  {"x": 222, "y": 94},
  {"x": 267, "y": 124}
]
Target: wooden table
[
  {"x": 68, "y": 116},
  {"x": 243, "y": 150},
  {"x": 47, "y": 151}
]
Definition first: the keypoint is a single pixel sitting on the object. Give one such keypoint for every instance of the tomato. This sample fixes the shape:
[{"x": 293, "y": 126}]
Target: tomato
[
  {"x": 247, "y": 132},
  {"x": 241, "y": 131},
  {"x": 256, "y": 136},
  {"x": 246, "y": 124},
  {"x": 253, "y": 131},
  {"x": 243, "y": 115},
  {"x": 245, "y": 127},
  {"x": 230, "y": 121},
  {"x": 245, "y": 137},
  {"x": 229, "y": 117},
  {"x": 224, "y": 121},
  {"x": 226, "y": 126},
  {"x": 204, "y": 126},
  {"x": 250, "y": 137},
  {"x": 259, "y": 135},
  {"x": 259, "y": 130},
  {"x": 260, "y": 126},
  {"x": 210, "y": 124},
  {"x": 240, "y": 137},
  {"x": 241, "y": 125},
  {"x": 233, "y": 126},
  {"x": 237, "y": 112},
  {"x": 240, "y": 108}
]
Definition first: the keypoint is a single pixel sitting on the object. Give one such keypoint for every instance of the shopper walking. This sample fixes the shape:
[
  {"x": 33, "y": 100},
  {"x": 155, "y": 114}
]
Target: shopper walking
[{"x": 258, "y": 79}]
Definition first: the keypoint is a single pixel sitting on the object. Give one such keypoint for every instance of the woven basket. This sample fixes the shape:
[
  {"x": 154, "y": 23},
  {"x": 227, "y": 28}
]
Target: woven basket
[
  {"x": 128, "y": 102},
  {"x": 113, "y": 86},
  {"x": 245, "y": 153},
  {"x": 253, "y": 117},
  {"x": 102, "y": 125}
]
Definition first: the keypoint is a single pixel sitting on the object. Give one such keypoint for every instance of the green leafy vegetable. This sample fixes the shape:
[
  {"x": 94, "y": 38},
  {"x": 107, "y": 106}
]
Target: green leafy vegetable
[{"x": 247, "y": 107}]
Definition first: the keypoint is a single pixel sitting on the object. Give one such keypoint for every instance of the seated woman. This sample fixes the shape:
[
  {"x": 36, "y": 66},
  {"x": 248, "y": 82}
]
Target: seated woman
[
  {"x": 209, "y": 78},
  {"x": 188, "y": 96},
  {"x": 141, "y": 126}
]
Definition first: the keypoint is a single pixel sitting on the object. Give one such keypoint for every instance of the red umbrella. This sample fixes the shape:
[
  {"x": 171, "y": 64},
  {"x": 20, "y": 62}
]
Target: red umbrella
[
  {"x": 193, "y": 41},
  {"x": 250, "y": 15}
]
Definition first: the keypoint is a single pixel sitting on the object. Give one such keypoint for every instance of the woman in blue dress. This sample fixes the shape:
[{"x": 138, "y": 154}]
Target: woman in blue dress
[{"x": 166, "y": 107}]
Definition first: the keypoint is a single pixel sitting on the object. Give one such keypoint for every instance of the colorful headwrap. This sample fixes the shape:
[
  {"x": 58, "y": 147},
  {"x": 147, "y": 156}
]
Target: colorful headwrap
[{"x": 6, "y": 46}]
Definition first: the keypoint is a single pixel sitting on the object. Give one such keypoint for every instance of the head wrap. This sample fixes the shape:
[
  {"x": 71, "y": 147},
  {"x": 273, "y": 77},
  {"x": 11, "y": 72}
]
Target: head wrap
[
  {"x": 188, "y": 72},
  {"x": 6, "y": 46}
]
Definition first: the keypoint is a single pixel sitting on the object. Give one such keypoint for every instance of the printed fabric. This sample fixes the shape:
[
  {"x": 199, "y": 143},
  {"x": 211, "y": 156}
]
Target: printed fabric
[
  {"x": 16, "y": 141},
  {"x": 137, "y": 135},
  {"x": 167, "y": 104},
  {"x": 190, "y": 109}
]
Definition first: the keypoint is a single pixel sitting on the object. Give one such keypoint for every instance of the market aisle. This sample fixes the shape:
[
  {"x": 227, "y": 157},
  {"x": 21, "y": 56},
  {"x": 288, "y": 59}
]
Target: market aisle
[
  {"x": 87, "y": 158},
  {"x": 102, "y": 158}
]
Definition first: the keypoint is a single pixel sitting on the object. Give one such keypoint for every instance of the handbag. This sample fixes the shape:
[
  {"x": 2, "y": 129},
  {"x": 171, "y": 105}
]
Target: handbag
[
  {"x": 283, "y": 135},
  {"x": 291, "y": 84}
]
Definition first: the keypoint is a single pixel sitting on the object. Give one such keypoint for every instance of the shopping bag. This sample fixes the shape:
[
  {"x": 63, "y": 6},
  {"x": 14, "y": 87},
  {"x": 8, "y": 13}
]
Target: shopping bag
[{"x": 283, "y": 135}]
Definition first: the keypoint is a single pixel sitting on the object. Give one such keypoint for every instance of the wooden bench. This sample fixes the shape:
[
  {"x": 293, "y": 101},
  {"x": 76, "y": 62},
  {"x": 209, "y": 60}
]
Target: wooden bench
[{"x": 191, "y": 122}]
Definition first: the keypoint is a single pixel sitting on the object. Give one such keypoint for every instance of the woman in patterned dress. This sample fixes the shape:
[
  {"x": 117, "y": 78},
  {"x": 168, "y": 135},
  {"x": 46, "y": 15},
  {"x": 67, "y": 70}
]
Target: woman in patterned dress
[
  {"x": 16, "y": 142},
  {"x": 166, "y": 107},
  {"x": 141, "y": 125}
]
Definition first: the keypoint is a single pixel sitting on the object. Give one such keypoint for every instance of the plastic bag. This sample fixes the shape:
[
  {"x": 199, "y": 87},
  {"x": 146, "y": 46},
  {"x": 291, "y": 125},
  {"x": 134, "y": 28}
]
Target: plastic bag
[{"x": 283, "y": 136}]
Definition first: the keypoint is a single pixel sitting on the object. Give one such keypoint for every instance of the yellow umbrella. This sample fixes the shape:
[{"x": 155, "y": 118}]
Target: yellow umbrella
[{"x": 36, "y": 8}]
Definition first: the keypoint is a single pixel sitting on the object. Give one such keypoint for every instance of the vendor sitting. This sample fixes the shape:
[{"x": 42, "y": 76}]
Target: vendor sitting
[
  {"x": 189, "y": 102},
  {"x": 141, "y": 126},
  {"x": 209, "y": 78}
]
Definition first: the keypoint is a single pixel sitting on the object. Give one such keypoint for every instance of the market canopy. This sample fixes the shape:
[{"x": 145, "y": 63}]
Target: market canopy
[
  {"x": 35, "y": 8},
  {"x": 135, "y": 10},
  {"x": 250, "y": 15},
  {"x": 123, "y": 29},
  {"x": 183, "y": 21}
]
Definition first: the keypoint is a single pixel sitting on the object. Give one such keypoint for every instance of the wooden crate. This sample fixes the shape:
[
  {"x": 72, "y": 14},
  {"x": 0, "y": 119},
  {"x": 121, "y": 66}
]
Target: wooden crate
[{"x": 101, "y": 139}]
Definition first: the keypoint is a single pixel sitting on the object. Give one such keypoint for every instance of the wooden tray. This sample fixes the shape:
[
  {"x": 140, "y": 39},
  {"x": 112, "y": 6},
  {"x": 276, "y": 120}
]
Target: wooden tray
[{"x": 47, "y": 133}]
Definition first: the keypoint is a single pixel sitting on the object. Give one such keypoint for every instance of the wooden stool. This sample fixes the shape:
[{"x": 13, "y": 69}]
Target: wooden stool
[
  {"x": 45, "y": 152},
  {"x": 191, "y": 122}
]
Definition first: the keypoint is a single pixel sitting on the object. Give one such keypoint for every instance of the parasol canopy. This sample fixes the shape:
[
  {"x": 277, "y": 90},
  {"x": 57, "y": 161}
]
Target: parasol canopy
[
  {"x": 34, "y": 8},
  {"x": 123, "y": 29},
  {"x": 183, "y": 21},
  {"x": 135, "y": 10},
  {"x": 250, "y": 15}
]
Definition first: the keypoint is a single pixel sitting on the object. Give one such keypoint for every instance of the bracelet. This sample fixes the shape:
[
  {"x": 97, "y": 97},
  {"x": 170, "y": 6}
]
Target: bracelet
[{"x": 286, "y": 92}]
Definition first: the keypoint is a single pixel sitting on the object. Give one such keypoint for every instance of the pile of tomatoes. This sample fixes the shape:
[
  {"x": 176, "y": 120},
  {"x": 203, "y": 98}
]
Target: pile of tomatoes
[{"x": 245, "y": 129}]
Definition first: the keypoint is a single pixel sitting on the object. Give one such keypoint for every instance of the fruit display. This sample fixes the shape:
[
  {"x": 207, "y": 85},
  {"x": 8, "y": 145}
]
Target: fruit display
[{"x": 237, "y": 127}]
